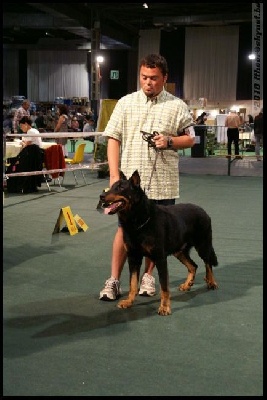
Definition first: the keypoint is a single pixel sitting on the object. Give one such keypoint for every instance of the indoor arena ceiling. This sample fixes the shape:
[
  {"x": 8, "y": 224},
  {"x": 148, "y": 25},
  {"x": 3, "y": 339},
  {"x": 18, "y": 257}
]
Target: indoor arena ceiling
[{"x": 62, "y": 25}]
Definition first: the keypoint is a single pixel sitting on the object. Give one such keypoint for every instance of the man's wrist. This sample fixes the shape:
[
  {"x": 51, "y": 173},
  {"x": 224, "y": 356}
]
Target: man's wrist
[{"x": 169, "y": 142}]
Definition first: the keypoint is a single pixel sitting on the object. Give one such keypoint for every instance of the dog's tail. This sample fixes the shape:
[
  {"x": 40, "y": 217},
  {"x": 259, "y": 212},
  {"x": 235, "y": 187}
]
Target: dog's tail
[
  {"x": 207, "y": 253},
  {"x": 213, "y": 258}
]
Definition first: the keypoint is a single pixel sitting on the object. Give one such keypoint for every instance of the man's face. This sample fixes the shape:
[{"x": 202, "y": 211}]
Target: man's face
[
  {"x": 26, "y": 106},
  {"x": 24, "y": 127},
  {"x": 151, "y": 81}
]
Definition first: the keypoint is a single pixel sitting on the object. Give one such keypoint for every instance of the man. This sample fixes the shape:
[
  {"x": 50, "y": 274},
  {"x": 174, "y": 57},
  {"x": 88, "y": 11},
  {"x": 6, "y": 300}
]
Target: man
[
  {"x": 22, "y": 111},
  {"x": 150, "y": 109},
  {"x": 232, "y": 122}
]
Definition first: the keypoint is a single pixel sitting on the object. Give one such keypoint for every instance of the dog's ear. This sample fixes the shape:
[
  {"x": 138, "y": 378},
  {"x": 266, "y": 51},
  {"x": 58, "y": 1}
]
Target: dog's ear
[
  {"x": 122, "y": 176},
  {"x": 135, "y": 178}
]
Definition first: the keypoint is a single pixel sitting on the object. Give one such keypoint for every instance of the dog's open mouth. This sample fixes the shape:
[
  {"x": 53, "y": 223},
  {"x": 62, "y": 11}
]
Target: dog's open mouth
[{"x": 112, "y": 207}]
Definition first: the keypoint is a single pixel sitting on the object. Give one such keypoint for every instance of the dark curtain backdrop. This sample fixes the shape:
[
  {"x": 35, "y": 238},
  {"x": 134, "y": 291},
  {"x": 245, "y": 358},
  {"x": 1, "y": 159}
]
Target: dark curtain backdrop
[
  {"x": 244, "y": 72},
  {"x": 22, "y": 72},
  {"x": 172, "y": 47},
  {"x": 114, "y": 60}
]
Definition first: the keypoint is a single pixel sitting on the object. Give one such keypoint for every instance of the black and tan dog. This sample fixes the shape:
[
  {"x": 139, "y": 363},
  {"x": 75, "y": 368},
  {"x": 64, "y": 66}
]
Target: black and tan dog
[{"x": 158, "y": 231}]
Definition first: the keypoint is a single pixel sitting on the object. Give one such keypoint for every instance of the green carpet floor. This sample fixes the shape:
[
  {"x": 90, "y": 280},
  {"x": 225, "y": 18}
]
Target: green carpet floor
[{"x": 60, "y": 340}]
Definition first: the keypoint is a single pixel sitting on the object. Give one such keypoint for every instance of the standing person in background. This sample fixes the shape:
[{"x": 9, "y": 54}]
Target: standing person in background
[
  {"x": 150, "y": 109},
  {"x": 200, "y": 129},
  {"x": 201, "y": 119},
  {"x": 232, "y": 122},
  {"x": 249, "y": 124},
  {"x": 250, "y": 119},
  {"x": 22, "y": 111},
  {"x": 258, "y": 133},
  {"x": 62, "y": 126}
]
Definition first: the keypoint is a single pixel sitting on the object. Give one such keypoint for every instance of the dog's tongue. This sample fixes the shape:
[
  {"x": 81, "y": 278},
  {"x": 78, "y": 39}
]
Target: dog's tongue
[{"x": 112, "y": 207}]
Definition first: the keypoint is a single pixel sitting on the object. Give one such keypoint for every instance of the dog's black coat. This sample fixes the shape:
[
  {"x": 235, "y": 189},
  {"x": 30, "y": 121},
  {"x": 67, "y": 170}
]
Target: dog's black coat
[{"x": 158, "y": 231}]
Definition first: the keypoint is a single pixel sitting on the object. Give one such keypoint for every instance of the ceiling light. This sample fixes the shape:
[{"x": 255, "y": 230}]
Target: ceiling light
[
  {"x": 99, "y": 59},
  {"x": 145, "y": 5},
  {"x": 252, "y": 56}
]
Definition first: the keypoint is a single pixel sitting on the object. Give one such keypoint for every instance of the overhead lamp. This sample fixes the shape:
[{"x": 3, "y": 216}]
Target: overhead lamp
[
  {"x": 145, "y": 5},
  {"x": 252, "y": 56},
  {"x": 99, "y": 59}
]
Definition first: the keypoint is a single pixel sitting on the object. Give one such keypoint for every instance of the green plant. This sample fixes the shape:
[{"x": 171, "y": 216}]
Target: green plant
[{"x": 101, "y": 157}]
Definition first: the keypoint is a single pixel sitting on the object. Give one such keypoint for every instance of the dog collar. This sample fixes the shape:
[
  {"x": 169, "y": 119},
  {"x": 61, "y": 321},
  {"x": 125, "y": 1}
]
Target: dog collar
[{"x": 141, "y": 226}]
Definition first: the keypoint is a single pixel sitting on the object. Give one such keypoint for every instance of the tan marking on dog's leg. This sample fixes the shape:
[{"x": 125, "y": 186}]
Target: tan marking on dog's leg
[
  {"x": 165, "y": 303},
  {"x": 209, "y": 278},
  {"x": 186, "y": 286},
  {"x": 126, "y": 303}
]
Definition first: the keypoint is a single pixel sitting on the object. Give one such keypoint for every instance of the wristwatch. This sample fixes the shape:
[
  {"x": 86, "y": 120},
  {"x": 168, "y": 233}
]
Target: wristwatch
[{"x": 169, "y": 142}]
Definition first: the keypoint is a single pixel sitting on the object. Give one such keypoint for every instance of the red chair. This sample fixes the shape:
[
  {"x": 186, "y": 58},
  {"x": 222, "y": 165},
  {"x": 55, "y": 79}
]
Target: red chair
[{"x": 54, "y": 159}]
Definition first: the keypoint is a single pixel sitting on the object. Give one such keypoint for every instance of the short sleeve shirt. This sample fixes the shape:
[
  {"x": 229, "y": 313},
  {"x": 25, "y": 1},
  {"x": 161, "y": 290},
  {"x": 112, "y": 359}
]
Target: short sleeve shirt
[
  {"x": 34, "y": 140},
  {"x": 165, "y": 114}
]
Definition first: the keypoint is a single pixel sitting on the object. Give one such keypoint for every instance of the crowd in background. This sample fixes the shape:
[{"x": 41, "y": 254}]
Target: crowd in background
[{"x": 46, "y": 120}]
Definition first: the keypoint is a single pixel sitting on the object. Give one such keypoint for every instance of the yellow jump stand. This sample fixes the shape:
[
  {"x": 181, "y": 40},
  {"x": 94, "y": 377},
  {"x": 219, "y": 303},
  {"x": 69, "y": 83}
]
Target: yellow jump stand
[{"x": 71, "y": 221}]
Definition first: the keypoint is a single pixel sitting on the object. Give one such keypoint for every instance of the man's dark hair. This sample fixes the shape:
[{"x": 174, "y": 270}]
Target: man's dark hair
[
  {"x": 155, "y": 61},
  {"x": 89, "y": 117},
  {"x": 25, "y": 120}
]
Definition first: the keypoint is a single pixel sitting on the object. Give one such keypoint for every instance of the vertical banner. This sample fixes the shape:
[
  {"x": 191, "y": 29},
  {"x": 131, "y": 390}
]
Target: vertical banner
[{"x": 257, "y": 50}]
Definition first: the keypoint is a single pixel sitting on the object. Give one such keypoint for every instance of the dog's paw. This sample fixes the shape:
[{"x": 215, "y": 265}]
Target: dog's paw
[
  {"x": 163, "y": 310},
  {"x": 211, "y": 284},
  {"x": 126, "y": 303},
  {"x": 186, "y": 286}
]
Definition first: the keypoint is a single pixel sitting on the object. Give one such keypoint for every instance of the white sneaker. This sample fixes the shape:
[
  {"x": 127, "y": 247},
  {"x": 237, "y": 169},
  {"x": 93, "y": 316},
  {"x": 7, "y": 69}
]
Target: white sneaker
[
  {"x": 147, "y": 287},
  {"x": 111, "y": 291}
]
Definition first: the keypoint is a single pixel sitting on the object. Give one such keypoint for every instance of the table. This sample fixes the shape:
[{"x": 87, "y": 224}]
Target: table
[{"x": 13, "y": 148}]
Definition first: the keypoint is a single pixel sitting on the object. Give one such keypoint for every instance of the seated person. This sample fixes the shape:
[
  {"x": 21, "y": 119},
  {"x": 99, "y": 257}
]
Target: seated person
[
  {"x": 50, "y": 121},
  {"x": 89, "y": 126},
  {"x": 30, "y": 158},
  {"x": 74, "y": 125},
  {"x": 40, "y": 121},
  {"x": 26, "y": 126}
]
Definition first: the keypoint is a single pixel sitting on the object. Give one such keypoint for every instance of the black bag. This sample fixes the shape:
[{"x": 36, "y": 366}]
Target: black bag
[
  {"x": 250, "y": 148},
  {"x": 29, "y": 159}
]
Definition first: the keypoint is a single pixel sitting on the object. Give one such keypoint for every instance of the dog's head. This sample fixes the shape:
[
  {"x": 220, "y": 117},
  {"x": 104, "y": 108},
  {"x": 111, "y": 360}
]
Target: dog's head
[{"x": 122, "y": 195}]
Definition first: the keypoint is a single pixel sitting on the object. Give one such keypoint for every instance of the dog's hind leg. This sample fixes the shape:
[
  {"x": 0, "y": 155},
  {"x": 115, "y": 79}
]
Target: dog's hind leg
[
  {"x": 209, "y": 278},
  {"x": 209, "y": 257},
  {"x": 165, "y": 298},
  {"x": 192, "y": 268}
]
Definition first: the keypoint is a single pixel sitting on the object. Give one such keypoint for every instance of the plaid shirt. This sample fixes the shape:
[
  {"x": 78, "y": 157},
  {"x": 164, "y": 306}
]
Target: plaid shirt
[
  {"x": 19, "y": 113},
  {"x": 165, "y": 114}
]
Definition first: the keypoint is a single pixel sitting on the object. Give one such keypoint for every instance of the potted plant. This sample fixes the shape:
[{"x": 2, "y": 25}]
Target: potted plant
[{"x": 101, "y": 157}]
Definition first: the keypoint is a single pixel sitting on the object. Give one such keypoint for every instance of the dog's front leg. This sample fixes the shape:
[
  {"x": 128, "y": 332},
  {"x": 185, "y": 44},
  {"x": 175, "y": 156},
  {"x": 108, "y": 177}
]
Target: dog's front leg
[
  {"x": 165, "y": 298},
  {"x": 134, "y": 279}
]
